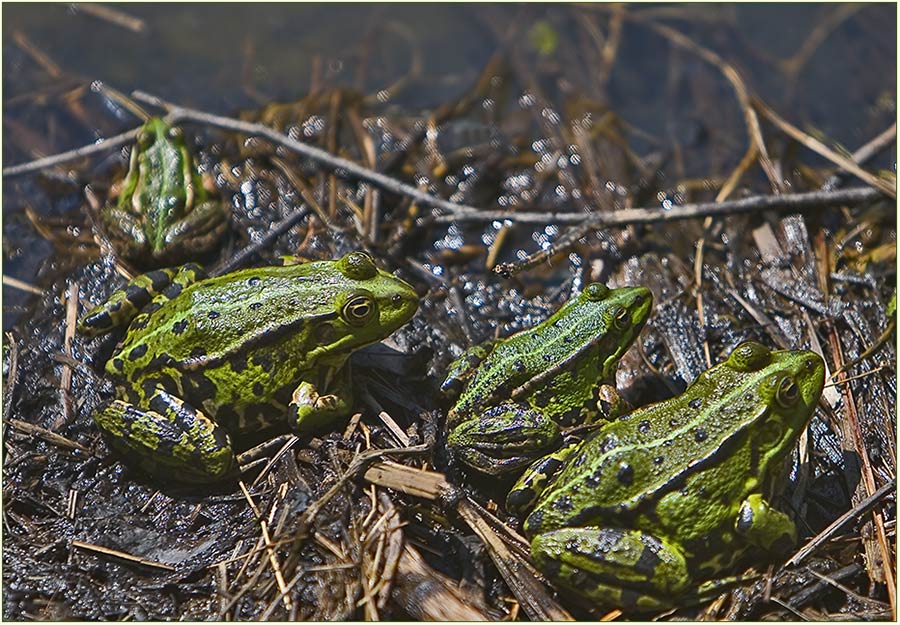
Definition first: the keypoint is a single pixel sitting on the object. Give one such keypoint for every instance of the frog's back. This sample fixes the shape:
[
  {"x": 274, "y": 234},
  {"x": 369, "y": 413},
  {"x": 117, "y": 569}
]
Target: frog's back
[
  {"x": 622, "y": 472},
  {"x": 218, "y": 318},
  {"x": 548, "y": 346}
]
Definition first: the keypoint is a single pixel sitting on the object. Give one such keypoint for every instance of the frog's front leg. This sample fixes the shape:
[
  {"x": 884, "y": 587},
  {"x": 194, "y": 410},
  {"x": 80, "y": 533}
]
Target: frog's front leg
[
  {"x": 169, "y": 438},
  {"x": 764, "y": 526},
  {"x": 504, "y": 438},
  {"x": 463, "y": 367},
  {"x": 125, "y": 304},
  {"x": 615, "y": 567},
  {"x": 314, "y": 410},
  {"x": 529, "y": 487}
]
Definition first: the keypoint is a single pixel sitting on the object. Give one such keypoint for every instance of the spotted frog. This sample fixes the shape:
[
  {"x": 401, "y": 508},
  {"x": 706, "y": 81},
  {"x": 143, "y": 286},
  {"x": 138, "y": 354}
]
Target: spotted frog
[
  {"x": 163, "y": 213},
  {"x": 517, "y": 392},
  {"x": 204, "y": 359},
  {"x": 651, "y": 510}
]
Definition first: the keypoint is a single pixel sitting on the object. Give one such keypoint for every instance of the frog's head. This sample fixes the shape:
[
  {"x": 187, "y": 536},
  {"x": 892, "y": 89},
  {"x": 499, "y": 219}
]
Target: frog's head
[
  {"x": 787, "y": 386},
  {"x": 371, "y": 303},
  {"x": 155, "y": 130},
  {"x": 609, "y": 319}
]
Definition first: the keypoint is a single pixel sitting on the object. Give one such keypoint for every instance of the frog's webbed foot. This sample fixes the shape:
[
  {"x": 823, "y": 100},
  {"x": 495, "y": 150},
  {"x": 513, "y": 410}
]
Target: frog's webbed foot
[
  {"x": 503, "y": 439},
  {"x": 764, "y": 526},
  {"x": 314, "y": 411},
  {"x": 528, "y": 488},
  {"x": 615, "y": 567},
  {"x": 169, "y": 439},
  {"x": 132, "y": 301},
  {"x": 197, "y": 231}
]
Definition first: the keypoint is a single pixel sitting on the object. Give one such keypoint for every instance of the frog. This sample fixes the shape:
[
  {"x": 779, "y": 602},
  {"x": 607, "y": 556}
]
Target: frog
[
  {"x": 205, "y": 359},
  {"x": 655, "y": 509},
  {"x": 163, "y": 214},
  {"x": 515, "y": 394}
]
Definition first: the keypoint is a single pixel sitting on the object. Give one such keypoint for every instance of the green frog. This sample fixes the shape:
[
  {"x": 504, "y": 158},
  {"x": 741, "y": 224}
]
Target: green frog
[
  {"x": 651, "y": 510},
  {"x": 163, "y": 213},
  {"x": 204, "y": 359},
  {"x": 517, "y": 392}
]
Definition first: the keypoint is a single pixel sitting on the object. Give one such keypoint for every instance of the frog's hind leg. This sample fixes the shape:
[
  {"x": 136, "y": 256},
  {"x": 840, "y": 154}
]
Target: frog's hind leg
[
  {"x": 529, "y": 487},
  {"x": 169, "y": 439},
  {"x": 123, "y": 306},
  {"x": 615, "y": 567},
  {"x": 504, "y": 438},
  {"x": 197, "y": 231}
]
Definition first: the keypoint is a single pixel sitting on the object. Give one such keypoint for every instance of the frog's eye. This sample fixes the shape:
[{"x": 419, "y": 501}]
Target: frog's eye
[
  {"x": 358, "y": 266},
  {"x": 175, "y": 133},
  {"x": 620, "y": 318},
  {"x": 596, "y": 291},
  {"x": 750, "y": 356},
  {"x": 359, "y": 308},
  {"x": 787, "y": 394}
]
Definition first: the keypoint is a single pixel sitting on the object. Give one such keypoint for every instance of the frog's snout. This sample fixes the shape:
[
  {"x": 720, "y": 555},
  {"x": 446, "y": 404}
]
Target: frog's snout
[{"x": 401, "y": 306}]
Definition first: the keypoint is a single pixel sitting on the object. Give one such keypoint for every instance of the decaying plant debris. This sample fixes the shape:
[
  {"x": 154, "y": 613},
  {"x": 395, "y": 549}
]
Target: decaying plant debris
[{"x": 373, "y": 521}]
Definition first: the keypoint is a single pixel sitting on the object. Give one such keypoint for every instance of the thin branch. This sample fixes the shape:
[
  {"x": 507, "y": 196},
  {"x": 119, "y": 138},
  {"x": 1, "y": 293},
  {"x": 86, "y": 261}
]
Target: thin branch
[
  {"x": 791, "y": 202},
  {"x": 823, "y": 150},
  {"x": 851, "y": 515},
  {"x": 864, "y": 154},
  {"x": 341, "y": 166},
  {"x": 71, "y": 155}
]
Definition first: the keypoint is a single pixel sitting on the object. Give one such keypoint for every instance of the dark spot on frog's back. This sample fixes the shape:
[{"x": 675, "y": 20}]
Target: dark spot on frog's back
[
  {"x": 263, "y": 362},
  {"x": 695, "y": 403},
  {"x": 213, "y": 314},
  {"x": 257, "y": 389},
  {"x": 647, "y": 562},
  {"x": 625, "y": 474},
  {"x": 238, "y": 363},
  {"x": 137, "y": 352},
  {"x": 253, "y": 281},
  {"x": 199, "y": 386},
  {"x": 255, "y": 305},
  {"x": 700, "y": 435},
  {"x": 179, "y": 327},
  {"x": 198, "y": 352},
  {"x": 643, "y": 426}
]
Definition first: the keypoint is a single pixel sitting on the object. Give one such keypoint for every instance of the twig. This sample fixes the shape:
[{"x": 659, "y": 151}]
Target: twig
[
  {"x": 120, "y": 554},
  {"x": 274, "y": 232},
  {"x": 740, "y": 90},
  {"x": 823, "y": 150},
  {"x": 852, "y": 514},
  {"x": 113, "y": 16},
  {"x": 22, "y": 286},
  {"x": 270, "y": 550},
  {"x": 48, "y": 435},
  {"x": 864, "y": 154},
  {"x": 62, "y": 157},
  {"x": 790, "y": 202},
  {"x": 341, "y": 166}
]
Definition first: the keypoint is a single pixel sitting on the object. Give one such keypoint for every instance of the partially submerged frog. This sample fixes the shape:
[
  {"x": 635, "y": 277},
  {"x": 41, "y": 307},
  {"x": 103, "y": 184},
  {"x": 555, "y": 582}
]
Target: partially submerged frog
[
  {"x": 652, "y": 509},
  {"x": 519, "y": 390},
  {"x": 203, "y": 359},
  {"x": 163, "y": 213}
]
